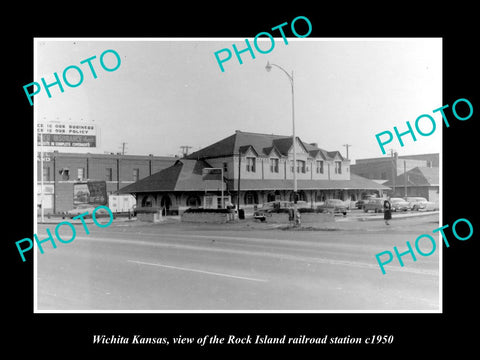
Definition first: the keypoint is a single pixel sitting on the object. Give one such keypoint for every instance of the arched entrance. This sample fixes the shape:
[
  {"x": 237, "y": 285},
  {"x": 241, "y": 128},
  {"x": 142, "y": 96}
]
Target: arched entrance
[
  {"x": 194, "y": 201},
  {"x": 250, "y": 198},
  {"x": 274, "y": 196},
  {"x": 270, "y": 197},
  {"x": 165, "y": 204},
  {"x": 147, "y": 201},
  {"x": 301, "y": 196}
]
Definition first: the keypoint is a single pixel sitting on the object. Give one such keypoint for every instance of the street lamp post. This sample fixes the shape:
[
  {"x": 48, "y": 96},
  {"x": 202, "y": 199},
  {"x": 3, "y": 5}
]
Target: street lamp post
[
  {"x": 41, "y": 179},
  {"x": 268, "y": 67}
]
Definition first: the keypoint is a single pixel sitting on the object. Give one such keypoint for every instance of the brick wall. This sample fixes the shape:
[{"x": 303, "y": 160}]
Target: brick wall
[{"x": 94, "y": 168}]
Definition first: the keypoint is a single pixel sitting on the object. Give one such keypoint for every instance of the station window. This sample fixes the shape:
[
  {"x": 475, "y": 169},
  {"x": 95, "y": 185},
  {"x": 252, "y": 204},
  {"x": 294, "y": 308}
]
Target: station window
[
  {"x": 80, "y": 173},
  {"x": 319, "y": 166},
  {"x": 274, "y": 165},
  {"x": 251, "y": 164},
  {"x": 338, "y": 167},
  {"x": 300, "y": 166},
  {"x": 136, "y": 174}
]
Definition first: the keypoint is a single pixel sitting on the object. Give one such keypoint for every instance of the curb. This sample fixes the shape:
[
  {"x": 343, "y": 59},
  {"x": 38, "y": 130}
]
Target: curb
[
  {"x": 78, "y": 221},
  {"x": 404, "y": 216}
]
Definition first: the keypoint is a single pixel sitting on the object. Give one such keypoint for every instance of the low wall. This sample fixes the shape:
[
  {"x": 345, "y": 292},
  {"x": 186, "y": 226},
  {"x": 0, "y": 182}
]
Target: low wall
[
  {"x": 305, "y": 218},
  {"x": 207, "y": 217},
  {"x": 150, "y": 216}
]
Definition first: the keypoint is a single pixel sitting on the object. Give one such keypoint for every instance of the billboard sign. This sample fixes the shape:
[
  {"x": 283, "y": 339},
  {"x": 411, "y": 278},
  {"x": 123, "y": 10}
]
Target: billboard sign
[
  {"x": 90, "y": 192},
  {"x": 67, "y": 134}
]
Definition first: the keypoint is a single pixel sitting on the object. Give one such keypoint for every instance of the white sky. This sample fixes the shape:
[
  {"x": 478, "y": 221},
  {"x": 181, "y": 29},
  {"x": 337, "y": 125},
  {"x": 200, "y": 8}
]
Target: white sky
[{"x": 171, "y": 92}]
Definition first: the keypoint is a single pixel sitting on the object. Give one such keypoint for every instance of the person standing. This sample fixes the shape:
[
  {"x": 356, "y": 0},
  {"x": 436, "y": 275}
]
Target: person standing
[{"x": 387, "y": 211}]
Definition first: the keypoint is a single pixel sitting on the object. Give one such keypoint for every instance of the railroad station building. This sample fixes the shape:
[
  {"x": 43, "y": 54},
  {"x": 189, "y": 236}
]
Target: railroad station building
[{"x": 257, "y": 168}]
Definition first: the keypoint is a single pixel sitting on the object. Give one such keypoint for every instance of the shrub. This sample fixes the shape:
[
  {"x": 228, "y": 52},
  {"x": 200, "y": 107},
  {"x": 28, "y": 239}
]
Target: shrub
[
  {"x": 279, "y": 211},
  {"x": 307, "y": 210},
  {"x": 148, "y": 210},
  {"x": 200, "y": 210}
]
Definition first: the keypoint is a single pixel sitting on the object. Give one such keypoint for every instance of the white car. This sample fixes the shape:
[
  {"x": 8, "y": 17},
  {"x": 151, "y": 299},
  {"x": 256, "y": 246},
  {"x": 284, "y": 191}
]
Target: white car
[
  {"x": 421, "y": 204},
  {"x": 399, "y": 204},
  {"x": 83, "y": 208}
]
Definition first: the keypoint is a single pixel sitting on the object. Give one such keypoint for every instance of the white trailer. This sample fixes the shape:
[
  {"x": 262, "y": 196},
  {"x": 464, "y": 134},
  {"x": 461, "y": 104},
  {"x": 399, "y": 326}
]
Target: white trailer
[{"x": 121, "y": 203}]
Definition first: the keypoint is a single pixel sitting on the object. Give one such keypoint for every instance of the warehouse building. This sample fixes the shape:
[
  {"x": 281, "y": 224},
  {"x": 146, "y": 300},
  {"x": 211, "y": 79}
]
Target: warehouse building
[{"x": 419, "y": 173}]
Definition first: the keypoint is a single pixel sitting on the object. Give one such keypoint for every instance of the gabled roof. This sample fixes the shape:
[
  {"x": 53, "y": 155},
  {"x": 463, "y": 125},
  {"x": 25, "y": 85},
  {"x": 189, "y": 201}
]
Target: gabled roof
[
  {"x": 283, "y": 144},
  {"x": 333, "y": 154},
  {"x": 261, "y": 143},
  {"x": 418, "y": 176},
  {"x": 270, "y": 150},
  {"x": 244, "y": 149}
]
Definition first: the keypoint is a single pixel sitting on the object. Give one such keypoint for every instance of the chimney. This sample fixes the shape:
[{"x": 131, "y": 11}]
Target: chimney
[{"x": 314, "y": 144}]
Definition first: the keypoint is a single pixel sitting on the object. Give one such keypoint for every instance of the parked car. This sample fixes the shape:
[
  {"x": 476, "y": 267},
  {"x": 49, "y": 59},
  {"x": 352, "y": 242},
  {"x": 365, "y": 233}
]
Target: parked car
[
  {"x": 272, "y": 206},
  {"x": 83, "y": 208},
  {"x": 333, "y": 206},
  {"x": 302, "y": 204},
  {"x": 360, "y": 203},
  {"x": 421, "y": 204},
  {"x": 374, "y": 204},
  {"x": 399, "y": 204}
]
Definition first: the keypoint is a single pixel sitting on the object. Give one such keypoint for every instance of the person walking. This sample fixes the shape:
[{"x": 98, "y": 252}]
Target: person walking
[{"x": 387, "y": 211}]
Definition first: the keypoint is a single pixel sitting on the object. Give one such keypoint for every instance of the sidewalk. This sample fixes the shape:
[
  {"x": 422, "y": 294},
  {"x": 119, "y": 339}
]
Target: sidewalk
[
  {"x": 341, "y": 223},
  {"x": 395, "y": 215},
  {"x": 58, "y": 219}
]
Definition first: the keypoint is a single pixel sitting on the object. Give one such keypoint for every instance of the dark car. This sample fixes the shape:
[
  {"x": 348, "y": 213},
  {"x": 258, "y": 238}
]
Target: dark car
[
  {"x": 269, "y": 207},
  {"x": 361, "y": 203},
  {"x": 333, "y": 206},
  {"x": 376, "y": 205}
]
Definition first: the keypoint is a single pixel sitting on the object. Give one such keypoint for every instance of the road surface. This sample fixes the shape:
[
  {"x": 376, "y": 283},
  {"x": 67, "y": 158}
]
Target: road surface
[{"x": 248, "y": 266}]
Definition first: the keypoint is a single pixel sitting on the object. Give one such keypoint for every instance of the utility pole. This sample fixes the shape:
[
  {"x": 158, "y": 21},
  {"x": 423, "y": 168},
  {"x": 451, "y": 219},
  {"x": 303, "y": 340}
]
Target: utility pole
[
  {"x": 185, "y": 149},
  {"x": 347, "y": 146},
  {"x": 238, "y": 184},
  {"x": 41, "y": 178},
  {"x": 123, "y": 147},
  {"x": 394, "y": 169}
]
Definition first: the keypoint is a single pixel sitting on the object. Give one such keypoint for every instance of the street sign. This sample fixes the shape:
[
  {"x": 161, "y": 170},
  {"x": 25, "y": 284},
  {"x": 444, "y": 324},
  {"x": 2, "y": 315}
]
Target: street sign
[{"x": 212, "y": 174}]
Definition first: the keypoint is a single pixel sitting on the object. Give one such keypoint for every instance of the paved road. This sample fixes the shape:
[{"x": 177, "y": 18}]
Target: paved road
[{"x": 249, "y": 266}]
